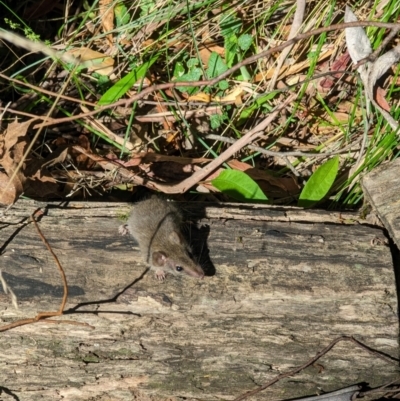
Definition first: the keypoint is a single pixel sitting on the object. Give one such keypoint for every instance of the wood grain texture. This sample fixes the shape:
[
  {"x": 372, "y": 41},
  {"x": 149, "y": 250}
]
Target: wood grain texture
[
  {"x": 281, "y": 288},
  {"x": 381, "y": 188}
]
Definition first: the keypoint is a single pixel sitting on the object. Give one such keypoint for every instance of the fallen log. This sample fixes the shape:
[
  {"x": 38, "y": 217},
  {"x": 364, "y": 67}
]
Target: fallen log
[{"x": 281, "y": 284}]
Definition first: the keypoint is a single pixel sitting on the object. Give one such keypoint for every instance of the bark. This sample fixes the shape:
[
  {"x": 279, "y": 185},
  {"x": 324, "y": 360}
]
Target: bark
[{"x": 381, "y": 189}]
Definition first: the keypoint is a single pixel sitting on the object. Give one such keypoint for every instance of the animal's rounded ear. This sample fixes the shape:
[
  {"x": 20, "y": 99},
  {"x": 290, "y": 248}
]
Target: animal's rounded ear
[
  {"x": 176, "y": 237},
  {"x": 159, "y": 258}
]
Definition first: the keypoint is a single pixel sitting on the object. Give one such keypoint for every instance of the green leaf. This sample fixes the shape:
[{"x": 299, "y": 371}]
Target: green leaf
[
  {"x": 121, "y": 13},
  {"x": 124, "y": 84},
  {"x": 216, "y": 121},
  {"x": 216, "y": 66},
  {"x": 230, "y": 25},
  {"x": 319, "y": 184},
  {"x": 146, "y": 7},
  {"x": 103, "y": 82},
  {"x": 231, "y": 49},
  {"x": 238, "y": 185},
  {"x": 179, "y": 70},
  {"x": 223, "y": 85},
  {"x": 192, "y": 62},
  {"x": 245, "y": 41},
  {"x": 246, "y": 76},
  {"x": 193, "y": 75},
  {"x": 248, "y": 111}
]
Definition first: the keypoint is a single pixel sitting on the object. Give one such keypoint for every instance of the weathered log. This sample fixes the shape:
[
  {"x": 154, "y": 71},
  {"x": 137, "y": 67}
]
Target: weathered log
[
  {"x": 282, "y": 283},
  {"x": 381, "y": 188}
]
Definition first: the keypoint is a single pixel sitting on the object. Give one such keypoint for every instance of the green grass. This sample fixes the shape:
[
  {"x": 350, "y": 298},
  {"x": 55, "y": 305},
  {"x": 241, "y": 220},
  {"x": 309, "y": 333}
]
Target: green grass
[{"x": 154, "y": 43}]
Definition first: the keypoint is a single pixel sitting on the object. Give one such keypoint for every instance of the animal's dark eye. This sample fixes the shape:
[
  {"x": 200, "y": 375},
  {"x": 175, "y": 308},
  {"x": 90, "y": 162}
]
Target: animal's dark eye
[{"x": 179, "y": 268}]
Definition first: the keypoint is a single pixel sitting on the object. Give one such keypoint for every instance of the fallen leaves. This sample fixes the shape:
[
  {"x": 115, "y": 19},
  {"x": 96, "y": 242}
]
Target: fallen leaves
[
  {"x": 93, "y": 60},
  {"x": 12, "y": 147},
  {"x": 24, "y": 174}
]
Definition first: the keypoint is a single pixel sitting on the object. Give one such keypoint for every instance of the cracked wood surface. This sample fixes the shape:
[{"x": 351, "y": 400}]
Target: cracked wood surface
[
  {"x": 381, "y": 188},
  {"x": 282, "y": 284}
]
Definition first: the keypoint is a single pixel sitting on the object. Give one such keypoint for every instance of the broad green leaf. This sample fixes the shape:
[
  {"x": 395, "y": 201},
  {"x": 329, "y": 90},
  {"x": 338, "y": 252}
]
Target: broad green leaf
[
  {"x": 223, "y": 85},
  {"x": 193, "y": 75},
  {"x": 238, "y": 185},
  {"x": 319, "y": 184},
  {"x": 146, "y": 7},
  {"x": 192, "y": 62},
  {"x": 245, "y": 41},
  {"x": 216, "y": 120},
  {"x": 216, "y": 66},
  {"x": 121, "y": 13},
  {"x": 124, "y": 84}
]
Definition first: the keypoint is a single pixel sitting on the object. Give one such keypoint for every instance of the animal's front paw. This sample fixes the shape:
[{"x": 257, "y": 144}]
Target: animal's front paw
[{"x": 160, "y": 275}]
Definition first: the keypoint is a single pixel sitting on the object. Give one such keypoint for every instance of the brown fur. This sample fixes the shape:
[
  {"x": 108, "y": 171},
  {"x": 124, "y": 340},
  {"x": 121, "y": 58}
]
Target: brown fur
[{"x": 156, "y": 226}]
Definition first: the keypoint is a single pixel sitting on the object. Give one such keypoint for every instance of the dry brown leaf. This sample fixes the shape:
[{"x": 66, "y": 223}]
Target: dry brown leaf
[
  {"x": 293, "y": 69},
  {"x": 206, "y": 50},
  {"x": 57, "y": 156},
  {"x": 106, "y": 14},
  {"x": 339, "y": 64},
  {"x": 148, "y": 43},
  {"x": 235, "y": 95},
  {"x": 255, "y": 174},
  {"x": 41, "y": 185},
  {"x": 93, "y": 60},
  {"x": 380, "y": 98},
  {"x": 14, "y": 131},
  {"x": 170, "y": 171},
  {"x": 9, "y": 191},
  {"x": 200, "y": 97},
  {"x": 13, "y": 144},
  {"x": 81, "y": 160},
  {"x": 336, "y": 116},
  {"x": 39, "y": 181}
]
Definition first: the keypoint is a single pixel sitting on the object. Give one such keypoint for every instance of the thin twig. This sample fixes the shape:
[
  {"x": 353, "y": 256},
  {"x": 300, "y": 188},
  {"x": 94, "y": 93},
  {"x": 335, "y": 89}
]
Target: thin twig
[
  {"x": 313, "y": 360},
  {"x": 227, "y": 73},
  {"x": 47, "y": 92},
  {"x": 281, "y": 154},
  {"x": 63, "y": 276},
  {"x": 187, "y": 103},
  {"x": 43, "y": 315},
  {"x": 184, "y": 185}
]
